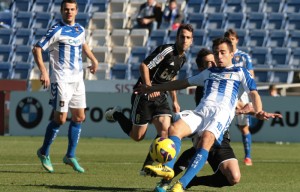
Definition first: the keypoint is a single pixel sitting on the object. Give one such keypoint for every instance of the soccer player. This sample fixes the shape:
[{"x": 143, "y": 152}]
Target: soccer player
[
  {"x": 242, "y": 59},
  {"x": 212, "y": 116},
  {"x": 65, "y": 41},
  {"x": 161, "y": 66}
]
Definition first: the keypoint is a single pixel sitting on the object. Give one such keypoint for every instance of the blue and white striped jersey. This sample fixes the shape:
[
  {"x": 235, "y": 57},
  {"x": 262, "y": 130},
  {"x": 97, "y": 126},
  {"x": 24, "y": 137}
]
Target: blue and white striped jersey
[
  {"x": 242, "y": 59},
  {"x": 221, "y": 86},
  {"x": 64, "y": 43}
]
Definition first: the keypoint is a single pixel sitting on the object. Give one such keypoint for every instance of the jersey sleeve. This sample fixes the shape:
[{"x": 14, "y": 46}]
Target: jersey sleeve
[
  {"x": 247, "y": 81},
  {"x": 249, "y": 64},
  {"x": 50, "y": 37},
  {"x": 198, "y": 80}
]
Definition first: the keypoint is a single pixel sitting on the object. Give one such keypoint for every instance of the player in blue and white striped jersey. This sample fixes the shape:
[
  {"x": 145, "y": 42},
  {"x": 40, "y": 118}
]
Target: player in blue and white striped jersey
[
  {"x": 242, "y": 59},
  {"x": 212, "y": 116},
  {"x": 65, "y": 42}
]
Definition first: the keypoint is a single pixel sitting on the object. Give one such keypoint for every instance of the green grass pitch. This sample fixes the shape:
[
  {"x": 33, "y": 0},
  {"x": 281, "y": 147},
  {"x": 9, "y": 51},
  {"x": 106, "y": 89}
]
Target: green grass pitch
[{"x": 114, "y": 164}]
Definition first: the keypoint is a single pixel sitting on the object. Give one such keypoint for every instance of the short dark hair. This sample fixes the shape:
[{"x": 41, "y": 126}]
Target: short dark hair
[
  {"x": 188, "y": 27},
  {"x": 220, "y": 40},
  {"x": 68, "y": 1},
  {"x": 201, "y": 54},
  {"x": 231, "y": 32}
]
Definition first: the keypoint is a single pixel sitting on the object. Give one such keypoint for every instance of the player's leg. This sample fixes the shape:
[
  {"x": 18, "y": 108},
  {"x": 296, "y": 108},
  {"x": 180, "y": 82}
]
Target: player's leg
[
  {"x": 231, "y": 170},
  {"x": 243, "y": 124}
]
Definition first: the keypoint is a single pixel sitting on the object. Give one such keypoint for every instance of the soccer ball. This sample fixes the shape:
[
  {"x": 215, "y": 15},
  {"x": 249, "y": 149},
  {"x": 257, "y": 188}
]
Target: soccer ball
[{"x": 162, "y": 150}]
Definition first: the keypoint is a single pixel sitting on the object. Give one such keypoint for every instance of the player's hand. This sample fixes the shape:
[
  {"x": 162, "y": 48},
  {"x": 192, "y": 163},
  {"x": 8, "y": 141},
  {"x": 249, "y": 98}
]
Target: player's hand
[
  {"x": 152, "y": 96},
  {"x": 142, "y": 89},
  {"x": 93, "y": 68},
  {"x": 247, "y": 109},
  {"x": 45, "y": 80},
  {"x": 263, "y": 115}
]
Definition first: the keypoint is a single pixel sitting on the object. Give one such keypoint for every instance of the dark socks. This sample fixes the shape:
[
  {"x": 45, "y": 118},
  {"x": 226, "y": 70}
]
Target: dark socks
[
  {"x": 184, "y": 160},
  {"x": 215, "y": 180},
  {"x": 148, "y": 160},
  {"x": 124, "y": 122}
]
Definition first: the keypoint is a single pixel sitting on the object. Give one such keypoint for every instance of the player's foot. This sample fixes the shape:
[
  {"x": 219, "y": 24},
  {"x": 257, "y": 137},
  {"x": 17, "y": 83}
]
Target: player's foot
[
  {"x": 109, "y": 114},
  {"x": 73, "y": 163},
  {"x": 177, "y": 187},
  {"x": 159, "y": 171},
  {"x": 248, "y": 161},
  {"x": 162, "y": 186},
  {"x": 45, "y": 160}
]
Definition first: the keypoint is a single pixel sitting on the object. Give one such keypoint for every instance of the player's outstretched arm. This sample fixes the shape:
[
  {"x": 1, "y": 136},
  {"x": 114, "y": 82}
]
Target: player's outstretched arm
[{"x": 172, "y": 85}]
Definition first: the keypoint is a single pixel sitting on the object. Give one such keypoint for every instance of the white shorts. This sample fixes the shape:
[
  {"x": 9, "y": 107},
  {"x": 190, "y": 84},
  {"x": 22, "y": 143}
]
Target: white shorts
[
  {"x": 67, "y": 94},
  {"x": 213, "y": 119},
  {"x": 243, "y": 119}
]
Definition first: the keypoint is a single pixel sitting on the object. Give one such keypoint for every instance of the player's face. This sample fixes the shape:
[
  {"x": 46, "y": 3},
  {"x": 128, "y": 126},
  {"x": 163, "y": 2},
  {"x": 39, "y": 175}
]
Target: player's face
[
  {"x": 234, "y": 41},
  {"x": 69, "y": 12},
  {"x": 184, "y": 40},
  {"x": 223, "y": 56},
  {"x": 209, "y": 61}
]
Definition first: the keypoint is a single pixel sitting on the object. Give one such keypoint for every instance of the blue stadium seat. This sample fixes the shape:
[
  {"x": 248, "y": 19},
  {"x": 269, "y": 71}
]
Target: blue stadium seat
[
  {"x": 139, "y": 37},
  {"x": 6, "y": 36},
  {"x": 294, "y": 39},
  {"x": 119, "y": 71},
  {"x": 235, "y": 20},
  {"x": 214, "y": 6},
  {"x": 23, "y": 19},
  {"x": 257, "y": 37},
  {"x": 282, "y": 74},
  {"x": 102, "y": 71},
  {"x": 157, "y": 37},
  {"x": 253, "y": 5},
  {"x": 83, "y": 19},
  {"x": 138, "y": 54},
  {"x": 171, "y": 38},
  {"x": 199, "y": 37},
  {"x": 22, "y": 53},
  {"x": 255, "y": 20},
  {"x": 243, "y": 35},
  {"x": 6, "y": 19},
  {"x": 234, "y": 6},
  {"x": 195, "y": 6},
  {"x": 135, "y": 71},
  {"x": 275, "y": 21},
  {"x": 21, "y": 70},
  {"x": 55, "y": 7},
  {"x": 83, "y": 5},
  {"x": 6, "y": 52},
  {"x": 262, "y": 73},
  {"x": 215, "y": 21},
  {"x": 5, "y": 70},
  {"x": 38, "y": 34},
  {"x": 118, "y": 20},
  {"x": 273, "y": 6},
  {"x": 23, "y": 36},
  {"x": 99, "y": 20},
  {"x": 212, "y": 34},
  {"x": 279, "y": 56},
  {"x": 99, "y": 5},
  {"x": 295, "y": 58},
  {"x": 197, "y": 20},
  {"x": 277, "y": 38},
  {"x": 120, "y": 54},
  {"x": 41, "y": 6},
  {"x": 21, "y": 5},
  {"x": 293, "y": 21},
  {"x": 42, "y": 20},
  {"x": 292, "y": 6},
  {"x": 118, "y": 6},
  {"x": 119, "y": 37},
  {"x": 260, "y": 55}
]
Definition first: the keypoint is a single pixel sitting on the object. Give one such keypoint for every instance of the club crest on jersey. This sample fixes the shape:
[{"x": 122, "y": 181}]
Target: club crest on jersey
[
  {"x": 158, "y": 58},
  {"x": 61, "y": 103},
  {"x": 76, "y": 29},
  {"x": 237, "y": 58}
]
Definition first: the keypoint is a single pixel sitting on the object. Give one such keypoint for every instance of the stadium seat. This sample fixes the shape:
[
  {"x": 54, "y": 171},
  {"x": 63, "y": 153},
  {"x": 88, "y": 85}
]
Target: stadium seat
[
  {"x": 243, "y": 35},
  {"x": 6, "y": 19},
  {"x": 257, "y": 37},
  {"x": 213, "y": 34},
  {"x": 295, "y": 58},
  {"x": 234, "y": 6},
  {"x": 277, "y": 38},
  {"x": 118, "y": 20},
  {"x": 171, "y": 38},
  {"x": 23, "y": 37},
  {"x": 83, "y": 6},
  {"x": 38, "y": 34},
  {"x": 137, "y": 55},
  {"x": 6, "y": 52},
  {"x": 5, "y": 70},
  {"x": 41, "y": 6},
  {"x": 6, "y": 36},
  {"x": 262, "y": 73},
  {"x": 21, "y": 70},
  {"x": 98, "y": 5},
  {"x": 275, "y": 21},
  {"x": 21, "y": 5},
  {"x": 119, "y": 71},
  {"x": 120, "y": 37},
  {"x": 42, "y": 20},
  {"x": 157, "y": 37},
  {"x": 22, "y": 53},
  {"x": 135, "y": 71},
  {"x": 139, "y": 37},
  {"x": 292, "y": 6},
  {"x": 23, "y": 19},
  {"x": 293, "y": 21},
  {"x": 102, "y": 72},
  {"x": 282, "y": 74},
  {"x": 255, "y": 20},
  {"x": 279, "y": 56},
  {"x": 214, "y": 6},
  {"x": 99, "y": 37},
  {"x": 99, "y": 20},
  {"x": 83, "y": 19},
  {"x": 294, "y": 39},
  {"x": 55, "y": 7},
  {"x": 103, "y": 54},
  {"x": 120, "y": 54},
  {"x": 197, "y": 20},
  {"x": 118, "y": 6},
  {"x": 235, "y": 20},
  {"x": 253, "y": 5},
  {"x": 199, "y": 37},
  {"x": 195, "y": 6},
  {"x": 215, "y": 21},
  {"x": 260, "y": 55},
  {"x": 273, "y": 6}
]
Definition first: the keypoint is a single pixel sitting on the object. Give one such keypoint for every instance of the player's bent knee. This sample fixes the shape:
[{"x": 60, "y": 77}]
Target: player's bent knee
[{"x": 235, "y": 179}]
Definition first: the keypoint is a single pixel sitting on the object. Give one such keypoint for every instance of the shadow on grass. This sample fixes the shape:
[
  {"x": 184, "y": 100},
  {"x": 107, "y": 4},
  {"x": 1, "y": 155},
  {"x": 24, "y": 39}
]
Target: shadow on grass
[{"x": 91, "y": 188}]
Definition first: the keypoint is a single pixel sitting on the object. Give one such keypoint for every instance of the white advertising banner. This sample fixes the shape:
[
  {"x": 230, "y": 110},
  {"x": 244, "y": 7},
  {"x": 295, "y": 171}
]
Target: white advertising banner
[{"x": 30, "y": 114}]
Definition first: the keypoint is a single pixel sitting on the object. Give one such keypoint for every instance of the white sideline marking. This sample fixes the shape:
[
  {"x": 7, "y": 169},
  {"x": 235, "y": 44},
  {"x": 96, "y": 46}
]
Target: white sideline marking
[{"x": 30, "y": 164}]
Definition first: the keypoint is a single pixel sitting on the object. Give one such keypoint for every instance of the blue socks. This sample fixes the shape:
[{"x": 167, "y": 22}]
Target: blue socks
[
  {"x": 51, "y": 132},
  {"x": 73, "y": 136},
  {"x": 196, "y": 164},
  {"x": 247, "y": 141},
  {"x": 177, "y": 143}
]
